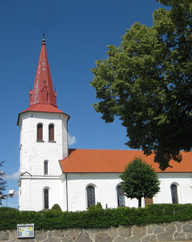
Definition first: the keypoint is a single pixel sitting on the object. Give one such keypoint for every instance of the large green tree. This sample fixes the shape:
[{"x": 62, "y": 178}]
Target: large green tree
[
  {"x": 2, "y": 183},
  {"x": 146, "y": 81},
  {"x": 139, "y": 180}
]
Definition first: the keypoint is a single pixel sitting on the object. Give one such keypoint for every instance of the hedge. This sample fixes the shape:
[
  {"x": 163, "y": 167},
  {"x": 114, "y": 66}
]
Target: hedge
[{"x": 96, "y": 218}]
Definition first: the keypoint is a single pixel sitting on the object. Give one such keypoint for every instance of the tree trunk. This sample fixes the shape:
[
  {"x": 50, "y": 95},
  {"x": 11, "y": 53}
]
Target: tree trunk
[{"x": 139, "y": 202}]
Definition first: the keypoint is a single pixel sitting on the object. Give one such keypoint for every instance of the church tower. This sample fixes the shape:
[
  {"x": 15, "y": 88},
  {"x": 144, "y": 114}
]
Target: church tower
[{"x": 43, "y": 142}]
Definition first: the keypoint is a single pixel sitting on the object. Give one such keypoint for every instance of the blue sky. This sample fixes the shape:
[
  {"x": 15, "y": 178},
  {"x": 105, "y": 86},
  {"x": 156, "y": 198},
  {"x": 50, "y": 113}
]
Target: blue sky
[{"x": 77, "y": 33}]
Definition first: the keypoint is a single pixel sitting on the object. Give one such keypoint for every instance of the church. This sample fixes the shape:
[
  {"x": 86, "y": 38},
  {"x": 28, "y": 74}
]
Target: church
[{"x": 50, "y": 173}]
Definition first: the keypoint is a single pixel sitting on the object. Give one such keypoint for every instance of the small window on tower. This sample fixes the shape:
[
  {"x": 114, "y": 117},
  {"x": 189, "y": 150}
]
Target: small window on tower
[
  {"x": 45, "y": 167},
  {"x": 39, "y": 132},
  {"x": 51, "y": 132}
]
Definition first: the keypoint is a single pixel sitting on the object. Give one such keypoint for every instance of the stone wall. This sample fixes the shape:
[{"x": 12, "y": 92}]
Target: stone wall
[{"x": 175, "y": 231}]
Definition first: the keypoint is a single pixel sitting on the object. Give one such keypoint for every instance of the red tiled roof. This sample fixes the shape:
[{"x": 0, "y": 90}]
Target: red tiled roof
[
  {"x": 43, "y": 108},
  {"x": 88, "y": 160}
]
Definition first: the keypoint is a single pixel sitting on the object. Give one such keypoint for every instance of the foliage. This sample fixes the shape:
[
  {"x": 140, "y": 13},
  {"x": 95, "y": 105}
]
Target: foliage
[
  {"x": 56, "y": 207},
  {"x": 95, "y": 207},
  {"x": 139, "y": 180},
  {"x": 98, "y": 206},
  {"x": 146, "y": 82},
  {"x": 2, "y": 183},
  {"x": 91, "y": 207},
  {"x": 101, "y": 218}
]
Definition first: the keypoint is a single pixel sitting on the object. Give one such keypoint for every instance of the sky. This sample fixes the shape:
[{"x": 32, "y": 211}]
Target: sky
[{"x": 77, "y": 34}]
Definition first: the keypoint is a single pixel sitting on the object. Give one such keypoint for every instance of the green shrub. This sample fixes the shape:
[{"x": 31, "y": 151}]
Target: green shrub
[
  {"x": 5, "y": 209},
  {"x": 98, "y": 206},
  {"x": 91, "y": 207},
  {"x": 56, "y": 207},
  {"x": 96, "y": 217},
  {"x": 95, "y": 207}
]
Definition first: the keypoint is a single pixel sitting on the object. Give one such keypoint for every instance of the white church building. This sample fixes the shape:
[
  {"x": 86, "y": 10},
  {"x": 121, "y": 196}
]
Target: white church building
[{"x": 50, "y": 173}]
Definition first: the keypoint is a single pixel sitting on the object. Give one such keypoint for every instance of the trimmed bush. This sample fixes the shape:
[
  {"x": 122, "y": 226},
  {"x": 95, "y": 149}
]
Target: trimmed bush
[
  {"x": 56, "y": 207},
  {"x": 95, "y": 207},
  {"x": 96, "y": 218}
]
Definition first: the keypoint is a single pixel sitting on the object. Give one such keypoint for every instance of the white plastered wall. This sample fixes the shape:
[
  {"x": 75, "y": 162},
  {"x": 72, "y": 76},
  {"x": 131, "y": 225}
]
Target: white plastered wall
[
  {"x": 183, "y": 181},
  {"x": 33, "y": 153},
  {"x": 32, "y": 157},
  {"x": 106, "y": 193},
  {"x": 33, "y": 189},
  {"x": 105, "y": 190}
]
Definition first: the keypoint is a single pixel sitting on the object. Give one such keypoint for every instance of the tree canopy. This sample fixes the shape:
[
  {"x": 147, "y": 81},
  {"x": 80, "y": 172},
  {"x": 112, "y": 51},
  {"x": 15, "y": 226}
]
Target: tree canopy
[
  {"x": 2, "y": 183},
  {"x": 146, "y": 82},
  {"x": 139, "y": 180}
]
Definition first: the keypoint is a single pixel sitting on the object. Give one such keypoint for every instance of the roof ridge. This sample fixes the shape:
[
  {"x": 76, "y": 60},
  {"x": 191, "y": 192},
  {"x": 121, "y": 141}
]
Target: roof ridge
[{"x": 103, "y": 149}]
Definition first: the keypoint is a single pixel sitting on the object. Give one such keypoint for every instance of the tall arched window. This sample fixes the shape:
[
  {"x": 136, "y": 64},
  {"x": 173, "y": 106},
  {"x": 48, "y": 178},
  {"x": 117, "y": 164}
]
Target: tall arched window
[
  {"x": 120, "y": 197},
  {"x": 45, "y": 167},
  {"x": 174, "y": 193},
  {"x": 51, "y": 132},
  {"x": 46, "y": 198},
  {"x": 90, "y": 195},
  {"x": 39, "y": 132}
]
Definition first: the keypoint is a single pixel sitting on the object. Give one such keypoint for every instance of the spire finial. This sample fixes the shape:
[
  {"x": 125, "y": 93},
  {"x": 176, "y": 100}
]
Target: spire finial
[{"x": 43, "y": 40}]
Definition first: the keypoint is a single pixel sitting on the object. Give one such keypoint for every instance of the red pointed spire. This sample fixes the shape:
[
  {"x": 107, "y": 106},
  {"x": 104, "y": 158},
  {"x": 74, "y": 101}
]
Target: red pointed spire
[
  {"x": 43, "y": 92},
  {"x": 43, "y": 98}
]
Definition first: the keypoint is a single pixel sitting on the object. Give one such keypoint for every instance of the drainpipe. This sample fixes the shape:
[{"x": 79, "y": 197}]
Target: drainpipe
[{"x": 66, "y": 192}]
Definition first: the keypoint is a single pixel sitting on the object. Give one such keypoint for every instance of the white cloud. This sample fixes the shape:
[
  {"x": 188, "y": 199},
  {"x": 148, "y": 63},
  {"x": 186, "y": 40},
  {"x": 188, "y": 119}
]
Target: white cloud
[
  {"x": 14, "y": 176},
  {"x": 71, "y": 139}
]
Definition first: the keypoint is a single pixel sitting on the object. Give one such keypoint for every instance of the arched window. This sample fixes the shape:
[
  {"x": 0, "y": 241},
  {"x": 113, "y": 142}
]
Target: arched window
[
  {"x": 174, "y": 193},
  {"x": 120, "y": 197},
  {"x": 51, "y": 132},
  {"x": 90, "y": 195},
  {"x": 45, "y": 167},
  {"x": 39, "y": 132},
  {"x": 46, "y": 198}
]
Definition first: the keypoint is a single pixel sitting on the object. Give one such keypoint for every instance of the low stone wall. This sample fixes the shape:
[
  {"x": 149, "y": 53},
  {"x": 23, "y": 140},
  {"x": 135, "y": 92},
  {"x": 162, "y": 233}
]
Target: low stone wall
[{"x": 175, "y": 231}]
